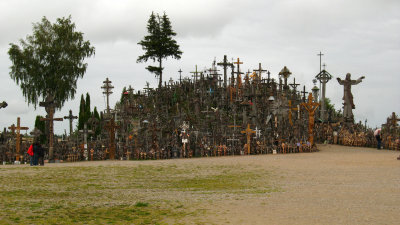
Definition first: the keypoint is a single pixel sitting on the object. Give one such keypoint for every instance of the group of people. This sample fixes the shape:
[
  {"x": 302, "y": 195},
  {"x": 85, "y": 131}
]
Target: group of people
[{"x": 36, "y": 153}]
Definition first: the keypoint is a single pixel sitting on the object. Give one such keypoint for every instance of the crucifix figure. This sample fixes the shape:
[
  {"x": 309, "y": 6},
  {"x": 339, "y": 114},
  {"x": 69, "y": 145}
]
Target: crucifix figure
[
  {"x": 285, "y": 73},
  {"x": 311, "y": 107},
  {"x": 260, "y": 71},
  {"x": 18, "y": 128},
  {"x": 225, "y": 65},
  {"x": 50, "y": 105},
  {"x": 111, "y": 127},
  {"x": 348, "y": 104},
  {"x": 248, "y": 133},
  {"x": 85, "y": 132},
  {"x": 70, "y": 117}
]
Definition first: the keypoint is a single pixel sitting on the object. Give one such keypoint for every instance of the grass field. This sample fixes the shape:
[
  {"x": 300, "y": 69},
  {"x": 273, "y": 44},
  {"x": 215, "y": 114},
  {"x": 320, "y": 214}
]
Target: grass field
[{"x": 171, "y": 191}]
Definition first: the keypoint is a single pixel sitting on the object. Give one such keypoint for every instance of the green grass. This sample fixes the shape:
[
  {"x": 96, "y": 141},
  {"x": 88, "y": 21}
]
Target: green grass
[{"x": 138, "y": 194}]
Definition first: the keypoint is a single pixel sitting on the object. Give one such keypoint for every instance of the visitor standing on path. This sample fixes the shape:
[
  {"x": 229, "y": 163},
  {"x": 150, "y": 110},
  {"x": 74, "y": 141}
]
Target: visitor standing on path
[
  {"x": 377, "y": 135},
  {"x": 30, "y": 153}
]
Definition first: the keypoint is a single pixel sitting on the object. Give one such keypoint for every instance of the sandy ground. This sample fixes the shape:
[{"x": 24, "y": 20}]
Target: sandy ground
[{"x": 337, "y": 185}]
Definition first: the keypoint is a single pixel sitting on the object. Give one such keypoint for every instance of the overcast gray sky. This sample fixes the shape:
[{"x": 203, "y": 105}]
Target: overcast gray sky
[{"x": 361, "y": 37}]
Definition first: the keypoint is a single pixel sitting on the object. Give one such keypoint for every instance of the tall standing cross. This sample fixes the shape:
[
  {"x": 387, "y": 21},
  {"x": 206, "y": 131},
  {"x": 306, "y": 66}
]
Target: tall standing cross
[
  {"x": 111, "y": 127},
  {"x": 107, "y": 91},
  {"x": 70, "y": 117},
  {"x": 285, "y": 73},
  {"x": 304, "y": 92},
  {"x": 50, "y": 105},
  {"x": 259, "y": 70},
  {"x": 311, "y": 107},
  {"x": 225, "y": 65},
  {"x": 85, "y": 133},
  {"x": 320, "y": 60},
  {"x": 248, "y": 133},
  {"x": 180, "y": 75},
  {"x": 294, "y": 85},
  {"x": 196, "y": 74},
  {"x": 238, "y": 70},
  {"x": 323, "y": 78},
  {"x": 18, "y": 128}
]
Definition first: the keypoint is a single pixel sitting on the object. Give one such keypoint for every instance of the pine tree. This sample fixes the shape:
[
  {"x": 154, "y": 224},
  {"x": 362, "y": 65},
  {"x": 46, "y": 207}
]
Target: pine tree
[
  {"x": 88, "y": 113},
  {"x": 159, "y": 44},
  {"x": 81, "y": 118},
  {"x": 97, "y": 116}
]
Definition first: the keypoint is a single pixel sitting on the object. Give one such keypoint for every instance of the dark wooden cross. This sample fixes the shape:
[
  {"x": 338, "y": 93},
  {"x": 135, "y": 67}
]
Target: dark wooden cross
[
  {"x": 238, "y": 69},
  {"x": 107, "y": 91},
  {"x": 50, "y": 106},
  {"x": 304, "y": 92},
  {"x": 180, "y": 76},
  {"x": 225, "y": 65},
  {"x": 259, "y": 70},
  {"x": 290, "y": 112},
  {"x": 285, "y": 73},
  {"x": 111, "y": 127},
  {"x": 294, "y": 85},
  {"x": 70, "y": 117},
  {"x": 248, "y": 133},
  {"x": 196, "y": 74},
  {"x": 18, "y": 128}
]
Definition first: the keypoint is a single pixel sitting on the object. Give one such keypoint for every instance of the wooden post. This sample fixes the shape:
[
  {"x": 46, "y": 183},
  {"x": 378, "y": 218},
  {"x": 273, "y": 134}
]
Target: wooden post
[
  {"x": 70, "y": 117},
  {"x": 111, "y": 127}
]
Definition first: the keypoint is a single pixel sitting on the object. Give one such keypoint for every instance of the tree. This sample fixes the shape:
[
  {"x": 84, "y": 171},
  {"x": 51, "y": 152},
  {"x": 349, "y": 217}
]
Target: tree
[
  {"x": 50, "y": 61},
  {"x": 41, "y": 125},
  {"x": 159, "y": 44},
  {"x": 81, "y": 117}
]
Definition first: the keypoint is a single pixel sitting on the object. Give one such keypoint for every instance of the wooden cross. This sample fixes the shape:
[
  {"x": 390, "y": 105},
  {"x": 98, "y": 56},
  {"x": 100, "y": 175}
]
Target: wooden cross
[
  {"x": 111, "y": 127},
  {"x": 180, "y": 75},
  {"x": 248, "y": 133},
  {"x": 50, "y": 105},
  {"x": 85, "y": 133},
  {"x": 225, "y": 65},
  {"x": 147, "y": 88},
  {"x": 304, "y": 92},
  {"x": 107, "y": 91},
  {"x": 18, "y": 128},
  {"x": 259, "y": 70},
  {"x": 311, "y": 107},
  {"x": 294, "y": 85},
  {"x": 196, "y": 74},
  {"x": 70, "y": 117},
  {"x": 238, "y": 71},
  {"x": 290, "y": 112}
]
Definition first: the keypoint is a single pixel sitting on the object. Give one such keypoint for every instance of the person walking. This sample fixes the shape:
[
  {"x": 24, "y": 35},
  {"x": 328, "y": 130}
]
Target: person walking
[
  {"x": 40, "y": 152},
  {"x": 378, "y": 137},
  {"x": 30, "y": 153}
]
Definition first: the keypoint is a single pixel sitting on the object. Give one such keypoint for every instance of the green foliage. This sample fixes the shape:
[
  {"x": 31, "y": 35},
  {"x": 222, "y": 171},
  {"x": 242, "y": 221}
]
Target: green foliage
[
  {"x": 50, "y": 61},
  {"x": 97, "y": 116},
  {"x": 159, "y": 43},
  {"x": 81, "y": 118},
  {"x": 41, "y": 125}
]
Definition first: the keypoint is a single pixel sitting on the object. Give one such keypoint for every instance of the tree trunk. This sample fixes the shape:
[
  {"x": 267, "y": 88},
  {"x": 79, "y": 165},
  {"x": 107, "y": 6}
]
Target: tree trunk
[{"x": 160, "y": 81}]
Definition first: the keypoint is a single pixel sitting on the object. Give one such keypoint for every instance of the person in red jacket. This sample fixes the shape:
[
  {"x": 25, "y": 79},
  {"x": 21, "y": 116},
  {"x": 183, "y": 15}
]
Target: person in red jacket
[{"x": 30, "y": 153}]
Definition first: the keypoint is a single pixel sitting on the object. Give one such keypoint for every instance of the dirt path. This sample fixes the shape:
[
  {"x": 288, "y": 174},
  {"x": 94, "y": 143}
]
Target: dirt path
[{"x": 338, "y": 185}]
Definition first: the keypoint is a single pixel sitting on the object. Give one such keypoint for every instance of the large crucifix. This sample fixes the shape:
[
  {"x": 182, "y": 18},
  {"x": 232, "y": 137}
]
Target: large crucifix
[
  {"x": 111, "y": 127},
  {"x": 225, "y": 65},
  {"x": 348, "y": 104},
  {"x": 70, "y": 117},
  {"x": 311, "y": 107},
  {"x": 50, "y": 106},
  {"x": 248, "y": 133},
  {"x": 285, "y": 73},
  {"x": 18, "y": 128}
]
